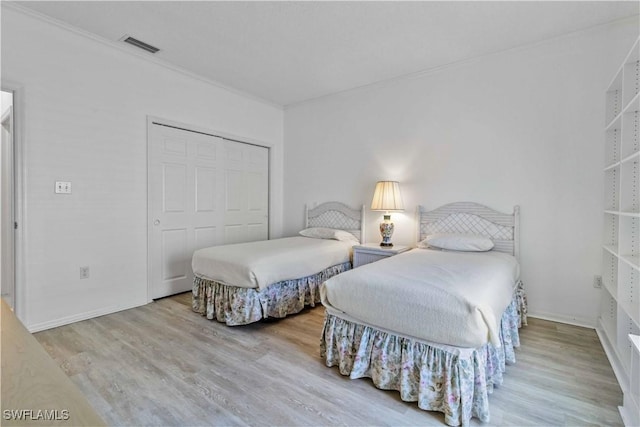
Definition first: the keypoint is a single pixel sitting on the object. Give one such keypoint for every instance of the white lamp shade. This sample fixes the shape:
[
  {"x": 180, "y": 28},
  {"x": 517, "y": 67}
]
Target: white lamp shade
[{"x": 387, "y": 197}]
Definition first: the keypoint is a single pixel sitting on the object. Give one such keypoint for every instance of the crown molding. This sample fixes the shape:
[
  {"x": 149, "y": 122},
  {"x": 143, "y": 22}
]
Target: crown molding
[
  {"x": 129, "y": 50},
  {"x": 461, "y": 63}
]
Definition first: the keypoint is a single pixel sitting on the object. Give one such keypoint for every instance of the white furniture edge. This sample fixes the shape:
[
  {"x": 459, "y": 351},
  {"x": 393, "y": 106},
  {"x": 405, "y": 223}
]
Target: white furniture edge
[
  {"x": 488, "y": 223},
  {"x": 376, "y": 246},
  {"x": 366, "y": 253}
]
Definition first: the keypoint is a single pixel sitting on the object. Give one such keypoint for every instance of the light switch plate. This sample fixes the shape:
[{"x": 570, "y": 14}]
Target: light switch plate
[
  {"x": 84, "y": 272},
  {"x": 63, "y": 187}
]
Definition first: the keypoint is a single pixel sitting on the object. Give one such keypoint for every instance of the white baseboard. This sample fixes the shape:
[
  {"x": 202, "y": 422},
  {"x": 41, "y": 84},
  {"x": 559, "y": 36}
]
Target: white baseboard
[
  {"x": 585, "y": 323},
  {"x": 630, "y": 412},
  {"x": 81, "y": 316}
]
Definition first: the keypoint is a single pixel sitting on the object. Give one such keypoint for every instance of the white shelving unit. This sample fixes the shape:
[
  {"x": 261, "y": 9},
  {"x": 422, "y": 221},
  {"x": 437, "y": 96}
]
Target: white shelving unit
[{"x": 619, "y": 320}]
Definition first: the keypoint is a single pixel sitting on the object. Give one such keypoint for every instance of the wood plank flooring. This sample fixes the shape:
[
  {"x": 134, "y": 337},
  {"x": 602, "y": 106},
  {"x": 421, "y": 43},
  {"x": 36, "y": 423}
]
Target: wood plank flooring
[{"x": 162, "y": 364}]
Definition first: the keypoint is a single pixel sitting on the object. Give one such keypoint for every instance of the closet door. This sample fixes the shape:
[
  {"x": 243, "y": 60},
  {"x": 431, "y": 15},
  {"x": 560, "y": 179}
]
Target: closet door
[
  {"x": 200, "y": 195},
  {"x": 246, "y": 216}
]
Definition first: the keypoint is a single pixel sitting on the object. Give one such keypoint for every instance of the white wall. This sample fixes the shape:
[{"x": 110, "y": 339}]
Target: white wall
[
  {"x": 521, "y": 127},
  {"x": 85, "y": 120}
]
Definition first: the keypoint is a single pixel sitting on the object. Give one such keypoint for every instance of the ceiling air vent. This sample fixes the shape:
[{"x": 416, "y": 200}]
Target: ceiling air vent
[{"x": 139, "y": 44}]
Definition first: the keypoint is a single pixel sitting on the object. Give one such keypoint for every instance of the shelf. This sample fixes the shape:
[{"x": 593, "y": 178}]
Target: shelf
[
  {"x": 628, "y": 326},
  {"x": 615, "y": 122},
  {"x": 632, "y": 260},
  {"x": 613, "y": 142},
  {"x": 621, "y": 213},
  {"x": 612, "y": 166},
  {"x": 610, "y": 289},
  {"x": 625, "y": 326},
  {"x": 631, "y": 311},
  {"x": 611, "y": 249},
  {"x": 616, "y": 82},
  {"x": 631, "y": 157},
  {"x": 629, "y": 295},
  {"x": 632, "y": 319},
  {"x": 629, "y": 134},
  {"x": 629, "y": 185},
  {"x": 614, "y": 98},
  {"x": 629, "y": 241},
  {"x": 633, "y": 105}
]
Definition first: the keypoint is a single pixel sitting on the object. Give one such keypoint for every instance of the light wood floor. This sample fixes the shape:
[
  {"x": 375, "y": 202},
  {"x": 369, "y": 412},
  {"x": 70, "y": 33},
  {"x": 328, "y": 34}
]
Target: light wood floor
[{"x": 162, "y": 364}]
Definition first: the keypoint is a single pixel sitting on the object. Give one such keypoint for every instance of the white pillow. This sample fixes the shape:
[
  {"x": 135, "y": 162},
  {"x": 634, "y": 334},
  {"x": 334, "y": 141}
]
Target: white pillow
[
  {"x": 457, "y": 242},
  {"x": 345, "y": 236},
  {"x": 328, "y": 233}
]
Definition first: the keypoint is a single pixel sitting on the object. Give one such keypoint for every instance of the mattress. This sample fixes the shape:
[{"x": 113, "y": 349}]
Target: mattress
[
  {"x": 451, "y": 298},
  {"x": 259, "y": 264}
]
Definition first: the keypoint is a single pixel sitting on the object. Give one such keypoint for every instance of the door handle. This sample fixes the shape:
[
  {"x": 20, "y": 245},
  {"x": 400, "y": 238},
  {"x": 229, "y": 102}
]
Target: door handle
[{"x": 156, "y": 222}]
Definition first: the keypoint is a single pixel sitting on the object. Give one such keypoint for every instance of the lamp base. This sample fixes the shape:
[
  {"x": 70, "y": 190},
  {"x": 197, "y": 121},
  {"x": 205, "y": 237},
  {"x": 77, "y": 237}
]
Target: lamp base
[{"x": 386, "y": 230}]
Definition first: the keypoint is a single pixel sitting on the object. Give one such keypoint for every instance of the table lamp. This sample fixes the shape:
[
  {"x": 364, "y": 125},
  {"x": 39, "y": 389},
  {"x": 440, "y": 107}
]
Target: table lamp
[{"x": 387, "y": 198}]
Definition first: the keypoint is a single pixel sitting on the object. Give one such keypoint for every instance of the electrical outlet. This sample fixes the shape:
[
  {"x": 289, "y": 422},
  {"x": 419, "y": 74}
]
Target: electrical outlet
[
  {"x": 597, "y": 281},
  {"x": 84, "y": 272}
]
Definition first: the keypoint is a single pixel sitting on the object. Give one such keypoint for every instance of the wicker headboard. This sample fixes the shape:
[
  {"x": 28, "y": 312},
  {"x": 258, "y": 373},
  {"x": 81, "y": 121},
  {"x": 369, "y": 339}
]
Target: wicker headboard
[
  {"x": 336, "y": 215},
  {"x": 473, "y": 218}
]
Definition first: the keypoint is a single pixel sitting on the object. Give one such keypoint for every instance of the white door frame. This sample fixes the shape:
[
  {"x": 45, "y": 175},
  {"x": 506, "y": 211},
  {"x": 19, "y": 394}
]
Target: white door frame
[
  {"x": 19, "y": 197},
  {"x": 7, "y": 228},
  {"x": 154, "y": 119}
]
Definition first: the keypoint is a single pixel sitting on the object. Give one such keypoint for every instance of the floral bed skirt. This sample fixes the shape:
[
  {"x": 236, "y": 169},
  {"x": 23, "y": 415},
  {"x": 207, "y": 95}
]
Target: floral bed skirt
[
  {"x": 452, "y": 380},
  {"x": 239, "y": 306}
]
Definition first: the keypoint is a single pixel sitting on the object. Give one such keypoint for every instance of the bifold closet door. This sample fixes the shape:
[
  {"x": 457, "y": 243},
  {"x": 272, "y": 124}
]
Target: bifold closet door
[
  {"x": 246, "y": 215},
  {"x": 201, "y": 193}
]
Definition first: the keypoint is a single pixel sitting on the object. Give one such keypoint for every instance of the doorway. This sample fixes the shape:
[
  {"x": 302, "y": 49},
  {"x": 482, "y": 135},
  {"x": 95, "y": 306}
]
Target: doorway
[{"x": 7, "y": 218}]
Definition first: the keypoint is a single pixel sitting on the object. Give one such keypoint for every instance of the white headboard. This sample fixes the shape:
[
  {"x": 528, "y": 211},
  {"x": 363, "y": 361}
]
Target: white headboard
[
  {"x": 473, "y": 218},
  {"x": 336, "y": 215}
]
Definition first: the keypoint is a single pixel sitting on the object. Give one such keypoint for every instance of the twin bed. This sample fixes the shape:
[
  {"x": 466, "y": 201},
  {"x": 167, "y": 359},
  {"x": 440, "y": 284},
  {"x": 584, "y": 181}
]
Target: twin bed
[
  {"x": 244, "y": 283},
  {"x": 437, "y": 323}
]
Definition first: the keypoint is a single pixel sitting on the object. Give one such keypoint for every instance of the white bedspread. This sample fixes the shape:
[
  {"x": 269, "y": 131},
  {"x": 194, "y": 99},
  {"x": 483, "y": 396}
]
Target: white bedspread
[
  {"x": 453, "y": 298},
  {"x": 259, "y": 264}
]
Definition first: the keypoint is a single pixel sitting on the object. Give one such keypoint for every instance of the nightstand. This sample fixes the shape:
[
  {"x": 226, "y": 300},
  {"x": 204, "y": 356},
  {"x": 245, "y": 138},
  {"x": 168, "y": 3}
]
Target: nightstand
[{"x": 371, "y": 252}]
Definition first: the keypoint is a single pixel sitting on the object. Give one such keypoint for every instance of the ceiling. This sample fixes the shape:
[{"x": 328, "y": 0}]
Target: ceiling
[{"x": 289, "y": 52}]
